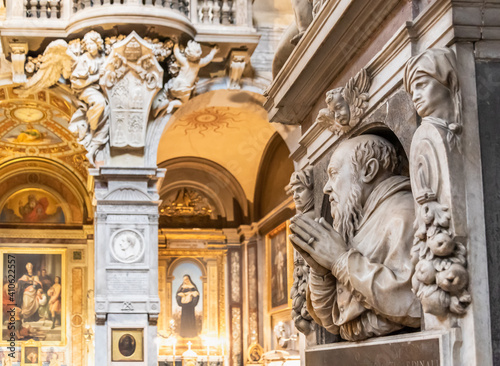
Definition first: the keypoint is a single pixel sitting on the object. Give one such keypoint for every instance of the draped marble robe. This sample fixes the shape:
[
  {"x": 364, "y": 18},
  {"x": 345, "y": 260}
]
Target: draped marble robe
[{"x": 368, "y": 292}]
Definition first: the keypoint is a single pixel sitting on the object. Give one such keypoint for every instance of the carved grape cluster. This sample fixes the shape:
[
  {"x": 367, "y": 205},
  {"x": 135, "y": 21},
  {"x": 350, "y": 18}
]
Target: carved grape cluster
[{"x": 441, "y": 278}]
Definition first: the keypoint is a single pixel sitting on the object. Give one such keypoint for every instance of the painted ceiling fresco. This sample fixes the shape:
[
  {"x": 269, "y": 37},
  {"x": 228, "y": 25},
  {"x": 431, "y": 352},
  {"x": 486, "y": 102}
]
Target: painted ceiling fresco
[{"x": 37, "y": 126}]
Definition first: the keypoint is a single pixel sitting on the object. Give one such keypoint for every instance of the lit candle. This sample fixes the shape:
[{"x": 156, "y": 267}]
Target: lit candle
[{"x": 174, "y": 341}]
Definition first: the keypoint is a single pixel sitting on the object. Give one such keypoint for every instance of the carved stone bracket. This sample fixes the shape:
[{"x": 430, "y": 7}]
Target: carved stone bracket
[
  {"x": 18, "y": 57},
  {"x": 236, "y": 68},
  {"x": 346, "y": 105}
]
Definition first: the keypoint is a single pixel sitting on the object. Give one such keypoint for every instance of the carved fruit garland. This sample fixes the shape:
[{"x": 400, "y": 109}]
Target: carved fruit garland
[{"x": 441, "y": 278}]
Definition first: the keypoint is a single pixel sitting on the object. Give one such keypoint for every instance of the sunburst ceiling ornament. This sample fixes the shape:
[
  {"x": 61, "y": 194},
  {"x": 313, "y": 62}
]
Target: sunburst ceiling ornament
[{"x": 209, "y": 120}]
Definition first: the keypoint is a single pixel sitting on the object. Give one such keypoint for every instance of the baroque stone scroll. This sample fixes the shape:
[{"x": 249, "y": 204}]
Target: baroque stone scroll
[{"x": 439, "y": 251}]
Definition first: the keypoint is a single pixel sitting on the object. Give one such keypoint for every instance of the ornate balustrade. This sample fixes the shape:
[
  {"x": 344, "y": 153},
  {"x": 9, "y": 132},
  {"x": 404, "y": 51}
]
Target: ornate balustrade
[
  {"x": 202, "y": 12},
  {"x": 42, "y": 8},
  {"x": 205, "y": 20},
  {"x": 216, "y": 12},
  {"x": 180, "y": 5},
  {"x": 29, "y": 24}
]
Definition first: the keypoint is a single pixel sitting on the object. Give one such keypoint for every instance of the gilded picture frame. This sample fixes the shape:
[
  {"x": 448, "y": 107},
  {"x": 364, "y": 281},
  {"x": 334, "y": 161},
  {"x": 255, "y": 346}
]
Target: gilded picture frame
[
  {"x": 279, "y": 265},
  {"x": 44, "y": 322},
  {"x": 31, "y": 354},
  {"x": 127, "y": 345}
]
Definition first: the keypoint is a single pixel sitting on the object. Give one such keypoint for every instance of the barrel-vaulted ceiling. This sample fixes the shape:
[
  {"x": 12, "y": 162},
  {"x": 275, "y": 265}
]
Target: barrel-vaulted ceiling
[{"x": 227, "y": 127}]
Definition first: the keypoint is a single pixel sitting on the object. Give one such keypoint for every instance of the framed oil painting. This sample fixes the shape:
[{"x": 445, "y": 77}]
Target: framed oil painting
[
  {"x": 32, "y": 206},
  {"x": 31, "y": 354},
  {"x": 34, "y": 295},
  {"x": 127, "y": 345},
  {"x": 187, "y": 300},
  {"x": 279, "y": 268}
]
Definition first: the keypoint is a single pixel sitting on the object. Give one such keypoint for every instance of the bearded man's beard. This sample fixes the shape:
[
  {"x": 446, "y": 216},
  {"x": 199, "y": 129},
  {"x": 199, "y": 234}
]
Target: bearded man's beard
[{"x": 348, "y": 212}]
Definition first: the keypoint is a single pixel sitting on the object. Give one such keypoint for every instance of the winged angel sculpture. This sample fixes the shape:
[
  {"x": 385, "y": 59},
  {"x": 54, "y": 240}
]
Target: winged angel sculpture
[
  {"x": 80, "y": 62},
  {"x": 346, "y": 105}
]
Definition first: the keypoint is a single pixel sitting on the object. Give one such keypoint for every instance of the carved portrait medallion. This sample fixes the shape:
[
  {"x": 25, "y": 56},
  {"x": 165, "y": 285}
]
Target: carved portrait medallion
[{"x": 127, "y": 246}]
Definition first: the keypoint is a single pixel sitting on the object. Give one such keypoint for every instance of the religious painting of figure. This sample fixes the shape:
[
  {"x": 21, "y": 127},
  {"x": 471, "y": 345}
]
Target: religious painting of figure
[
  {"x": 127, "y": 345},
  {"x": 277, "y": 249},
  {"x": 32, "y": 206},
  {"x": 30, "y": 134},
  {"x": 30, "y": 354},
  {"x": 33, "y": 295},
  {"x": 187, "y": 302}
]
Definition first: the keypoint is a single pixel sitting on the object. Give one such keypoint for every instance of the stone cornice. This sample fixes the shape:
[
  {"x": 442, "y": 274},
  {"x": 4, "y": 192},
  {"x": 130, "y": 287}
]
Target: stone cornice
[{"x": 337, "y": 33}]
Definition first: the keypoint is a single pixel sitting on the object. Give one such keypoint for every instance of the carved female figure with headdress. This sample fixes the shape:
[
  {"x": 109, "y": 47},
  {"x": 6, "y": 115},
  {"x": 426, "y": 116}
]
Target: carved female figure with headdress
[
  {"x": 301, "y": 188},
  {"x": 432, "y": 81},
  {"x": 439, "y": 254}
]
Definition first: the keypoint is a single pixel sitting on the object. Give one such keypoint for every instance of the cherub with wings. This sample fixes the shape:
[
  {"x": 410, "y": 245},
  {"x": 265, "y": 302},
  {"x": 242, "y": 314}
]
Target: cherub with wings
[
  {"x": 91, "y": 120},
  {"x": 178, "y": 90},
  {"x": 346, "y": 105}
]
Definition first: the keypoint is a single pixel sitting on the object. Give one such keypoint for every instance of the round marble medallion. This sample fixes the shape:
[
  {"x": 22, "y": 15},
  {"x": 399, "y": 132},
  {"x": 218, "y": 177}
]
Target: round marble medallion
[
  {"x": 127, "y": 245},
  {"x": 27, "y": 114}
]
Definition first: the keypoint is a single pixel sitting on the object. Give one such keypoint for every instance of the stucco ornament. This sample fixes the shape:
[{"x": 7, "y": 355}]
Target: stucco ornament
[
  {"x": 441, "y": 277},
  {"x": 301, "y": 188},
  {"x": 80, "y": 62},
  {"x": 131, "y": 77},
  {"x": 361, "y": 269},
  {"x": 178, "y": 90},
  {"x": 94, "y": 67},
  {"x": 346, "y": 105}
]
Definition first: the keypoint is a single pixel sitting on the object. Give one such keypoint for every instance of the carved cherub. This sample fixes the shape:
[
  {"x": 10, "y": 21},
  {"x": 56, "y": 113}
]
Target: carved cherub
[
  {"x": 178, "y": 90},
  {"x": 90, "y": 121},
  {"x": 346, "y": 105}
]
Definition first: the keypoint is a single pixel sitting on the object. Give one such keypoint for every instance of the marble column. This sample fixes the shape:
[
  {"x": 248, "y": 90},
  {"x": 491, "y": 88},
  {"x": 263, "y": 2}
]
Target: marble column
[{"x": 126, "y": 261}]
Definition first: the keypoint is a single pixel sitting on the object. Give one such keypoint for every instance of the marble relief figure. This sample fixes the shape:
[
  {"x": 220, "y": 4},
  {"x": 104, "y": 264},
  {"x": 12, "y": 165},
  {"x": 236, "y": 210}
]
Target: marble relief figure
[
  {"x": 361, "y": 269},
  {"x": 80, "y": 62},
  {"x": 301, "y": 188},
  {"x": 441, "y": 278}
]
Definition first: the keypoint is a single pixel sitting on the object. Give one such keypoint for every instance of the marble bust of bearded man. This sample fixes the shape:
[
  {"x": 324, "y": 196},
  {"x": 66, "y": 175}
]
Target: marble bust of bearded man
[{"x": 361, "y": 269}]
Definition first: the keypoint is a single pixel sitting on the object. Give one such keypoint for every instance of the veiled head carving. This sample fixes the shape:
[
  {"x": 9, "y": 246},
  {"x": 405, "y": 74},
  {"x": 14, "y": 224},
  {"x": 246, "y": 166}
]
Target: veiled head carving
[
  {"x": 431, "y": 79},
  {"x": 301, "y": 187}
]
